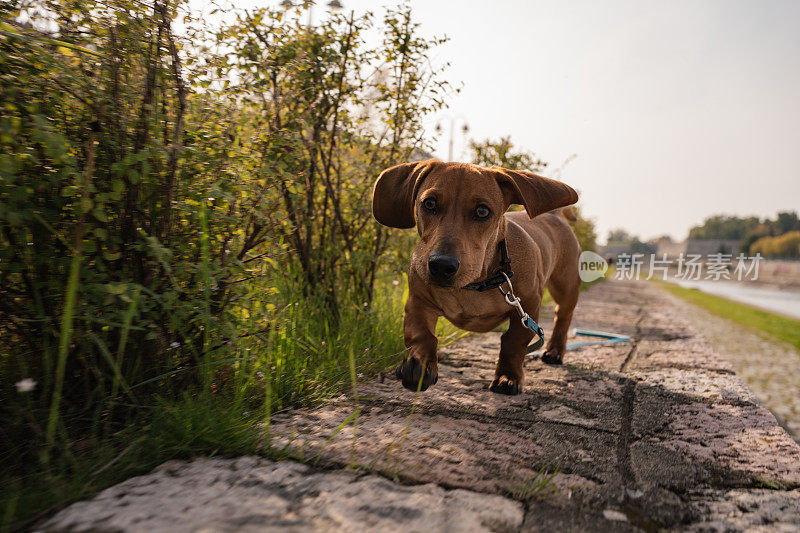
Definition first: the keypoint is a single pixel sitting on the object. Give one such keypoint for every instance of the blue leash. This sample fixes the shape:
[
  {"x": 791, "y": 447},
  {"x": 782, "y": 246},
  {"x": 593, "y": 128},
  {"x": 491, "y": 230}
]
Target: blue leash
[
  {"x": 525, "y": 318},
  {"x": 610, "y": 338},
  {"x": 528, "y": 322}
]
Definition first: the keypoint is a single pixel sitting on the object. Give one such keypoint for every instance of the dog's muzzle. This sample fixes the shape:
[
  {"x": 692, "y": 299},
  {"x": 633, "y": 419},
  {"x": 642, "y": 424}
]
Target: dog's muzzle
[{"x": 443, "y": 268}]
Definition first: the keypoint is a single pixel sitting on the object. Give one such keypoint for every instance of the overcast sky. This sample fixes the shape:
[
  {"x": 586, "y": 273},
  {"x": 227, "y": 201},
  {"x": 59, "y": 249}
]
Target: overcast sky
[{"x": 676, "y": 110}]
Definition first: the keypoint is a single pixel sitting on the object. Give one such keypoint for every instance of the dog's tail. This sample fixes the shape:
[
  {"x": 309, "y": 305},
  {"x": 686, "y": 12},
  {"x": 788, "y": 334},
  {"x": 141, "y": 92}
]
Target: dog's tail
[{"x": 569, "y": 214}]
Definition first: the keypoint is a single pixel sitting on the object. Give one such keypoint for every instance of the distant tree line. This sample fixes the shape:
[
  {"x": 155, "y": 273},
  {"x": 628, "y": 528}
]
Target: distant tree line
[
  {"x": 767, "y": 236},
  {"x": 778, "y": 238},
  {"x": 621, "y": 237}
]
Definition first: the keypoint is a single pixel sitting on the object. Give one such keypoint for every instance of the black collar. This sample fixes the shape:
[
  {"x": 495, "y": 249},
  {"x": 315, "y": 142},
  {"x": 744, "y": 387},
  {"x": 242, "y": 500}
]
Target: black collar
[{"x": 497, "y": 279}]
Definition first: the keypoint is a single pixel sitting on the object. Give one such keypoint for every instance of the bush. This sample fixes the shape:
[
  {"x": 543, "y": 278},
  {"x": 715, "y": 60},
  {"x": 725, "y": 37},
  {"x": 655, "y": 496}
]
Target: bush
[
  {"x": 785, "y": 246},
  {"x": 185, "y": 221}
]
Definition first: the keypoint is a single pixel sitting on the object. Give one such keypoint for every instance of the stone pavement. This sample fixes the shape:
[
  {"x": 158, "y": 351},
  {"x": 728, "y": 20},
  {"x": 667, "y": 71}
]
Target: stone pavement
[
  {"x": 769, "y": 367},
  {"x": 658, "y": 434}
]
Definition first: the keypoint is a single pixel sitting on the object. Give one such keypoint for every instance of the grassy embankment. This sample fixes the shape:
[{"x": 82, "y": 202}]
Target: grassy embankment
[
  {"x": 768, "y": 324},
  {"x": 210, "y": 423}
]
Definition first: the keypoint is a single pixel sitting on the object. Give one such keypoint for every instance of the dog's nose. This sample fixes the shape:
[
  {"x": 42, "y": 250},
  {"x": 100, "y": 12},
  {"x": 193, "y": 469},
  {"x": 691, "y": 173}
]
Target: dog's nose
[{"x": 443, "y": 266}]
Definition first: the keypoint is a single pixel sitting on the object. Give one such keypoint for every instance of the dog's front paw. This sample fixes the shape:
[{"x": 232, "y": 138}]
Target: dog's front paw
[
  {"x": 410, "y": 372},
  {"x": 553, "y": 357},
  {"x": 506, "y": 385}
]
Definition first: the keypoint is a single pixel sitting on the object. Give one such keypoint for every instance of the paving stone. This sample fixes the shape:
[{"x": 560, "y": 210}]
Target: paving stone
[
  {"x": 658, "y": 466},
  {"x": 609, "y": 358},
  {"x": 251, "y": 494},
  {"x": 660, "y": 354},
  {"x": 697, "y": 384},
  {"x": 742, "y": 443},
  {"x": 747, "y": 510},
  {"x": 769, "y": 367}
]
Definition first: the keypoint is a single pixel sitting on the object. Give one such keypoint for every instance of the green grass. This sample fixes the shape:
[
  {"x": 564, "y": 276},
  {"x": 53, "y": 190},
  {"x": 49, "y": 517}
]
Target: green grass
[
  {"x": 190, "y": 425},
  {"x": 302, "y": 360},
  {"x": 534, "y": 486},
  {"x": 775, "y": 326}
]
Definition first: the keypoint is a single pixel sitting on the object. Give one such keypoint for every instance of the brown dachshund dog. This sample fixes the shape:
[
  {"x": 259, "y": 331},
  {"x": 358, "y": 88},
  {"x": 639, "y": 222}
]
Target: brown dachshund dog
[{"x": 460, "y": 213}]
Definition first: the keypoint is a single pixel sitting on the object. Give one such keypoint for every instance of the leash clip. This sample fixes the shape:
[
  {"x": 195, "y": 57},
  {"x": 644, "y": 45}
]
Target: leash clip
[{"x": 513, "y": 300}]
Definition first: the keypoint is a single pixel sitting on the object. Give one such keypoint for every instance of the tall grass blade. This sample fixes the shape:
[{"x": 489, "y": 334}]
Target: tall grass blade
[
  {"x": 354, "y": 381},
  {"x": 63, "y": 349},
  {"x": 71, "y": 296},
  {"x": 335, "y": 432},
  {"x": 119, "y": 380},
  {"x": 205, "y": 277},
  {"x": 123, "y": 339}
]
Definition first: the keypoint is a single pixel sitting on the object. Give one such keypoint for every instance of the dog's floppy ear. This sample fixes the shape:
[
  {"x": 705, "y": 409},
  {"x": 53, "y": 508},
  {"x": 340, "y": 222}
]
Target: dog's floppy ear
[
  {"x": 537, "y": 194},
  {"x": 394, "y": 192}
]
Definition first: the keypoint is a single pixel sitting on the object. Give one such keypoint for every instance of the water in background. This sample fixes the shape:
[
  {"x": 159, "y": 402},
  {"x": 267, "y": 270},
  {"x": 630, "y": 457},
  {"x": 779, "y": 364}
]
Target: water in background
[{"x": 782, "y": 301}]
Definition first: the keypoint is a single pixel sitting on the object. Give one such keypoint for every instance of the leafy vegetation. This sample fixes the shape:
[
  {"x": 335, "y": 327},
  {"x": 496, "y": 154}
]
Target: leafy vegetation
[
  {"x": 186, "y": 242},
  {"x": 749, "y": 230},
  {"x": 724, "y": 227},
  {"x": 786, "y": 246},
  {"x": 620, "y": 237},
  {"x": 186, "y": 239},
  {"x": 502, "y": 153}
]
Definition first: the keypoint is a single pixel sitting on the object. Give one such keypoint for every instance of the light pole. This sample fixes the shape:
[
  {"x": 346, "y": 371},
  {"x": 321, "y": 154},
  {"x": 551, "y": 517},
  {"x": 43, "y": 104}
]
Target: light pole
[
  {"x": 333, "y": 5},
  {"x": 453, "y": 120}
]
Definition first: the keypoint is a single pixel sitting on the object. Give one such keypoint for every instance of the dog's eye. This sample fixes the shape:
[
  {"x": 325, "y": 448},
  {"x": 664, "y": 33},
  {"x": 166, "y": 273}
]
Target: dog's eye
[
  {"x": 482, "y": 212},
  {"x": 429, "y": 205}
]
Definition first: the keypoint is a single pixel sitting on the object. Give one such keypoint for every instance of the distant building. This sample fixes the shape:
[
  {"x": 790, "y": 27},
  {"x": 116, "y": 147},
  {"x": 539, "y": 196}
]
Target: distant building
[
  {"x": 703, "y": 247},
  {"x": 420, "y": 155},
  {"x": 611, "y": 251},
  {"x": 706, "y": 247},
  {"x": 670, "y": 249},
  {"x": 673, "y": 250}
]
